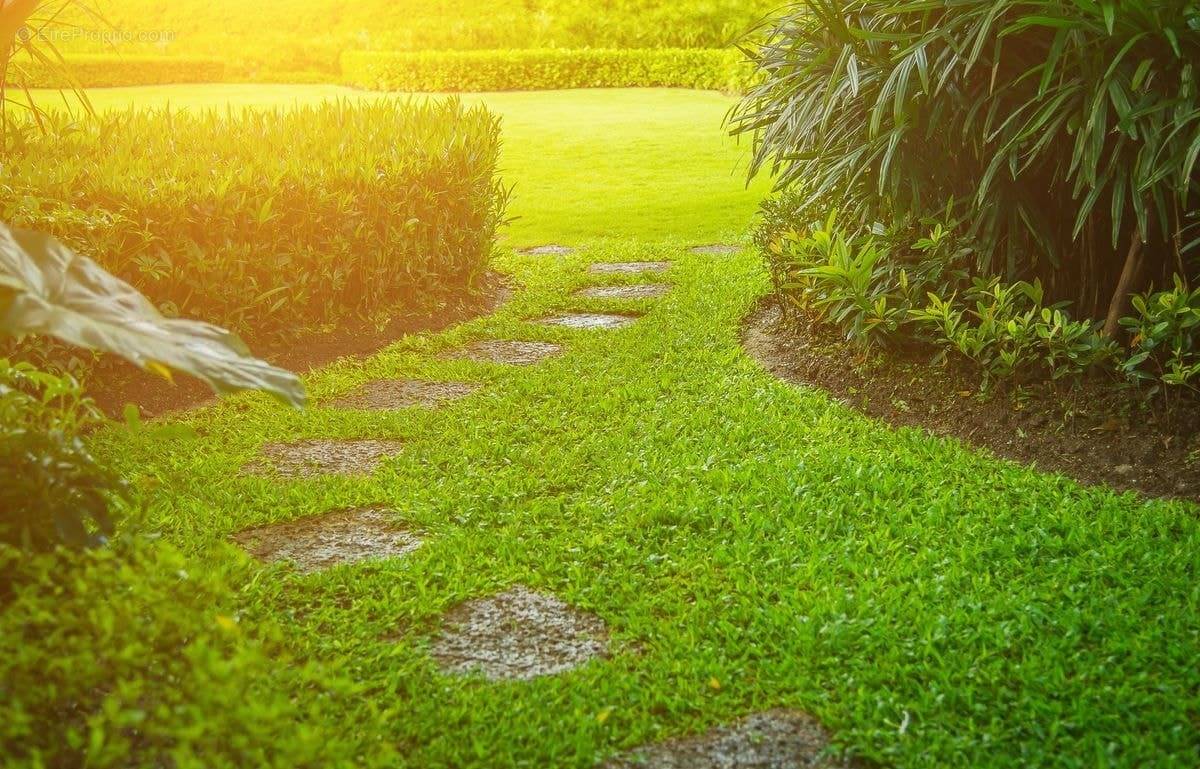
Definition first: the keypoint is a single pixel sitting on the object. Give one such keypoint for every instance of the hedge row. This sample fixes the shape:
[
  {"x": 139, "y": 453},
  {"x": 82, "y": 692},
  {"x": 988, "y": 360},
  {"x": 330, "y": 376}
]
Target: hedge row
[
  {"x": 100, "y": 71},
  {"x": 532, "y": 70},
  {"x": 267, "y": 221}
]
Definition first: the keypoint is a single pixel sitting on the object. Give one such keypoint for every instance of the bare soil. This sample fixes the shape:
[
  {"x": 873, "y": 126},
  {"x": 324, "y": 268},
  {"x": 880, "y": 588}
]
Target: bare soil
[
  {"x": 1093, "y": 434},
  {"x": 387, "y": 394},
  {"x": 777, "y": 739},
  {"x": 518, "y": 635},
  {"x": 589, "y": 320},
  {"x": 116, "y": 383},
  {"x": 319, "y": 542},
  {"x": 628, "y": 268},
  {"x": 644, "y": 291},
  {"x": 505, "y": 351},
  {"x": 305, "y": 459}
]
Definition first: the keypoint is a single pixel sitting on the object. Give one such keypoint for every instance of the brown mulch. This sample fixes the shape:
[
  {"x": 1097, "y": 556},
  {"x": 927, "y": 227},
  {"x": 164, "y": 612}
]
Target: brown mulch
[
  {"x": 116, "y": 383},
  {"x": 1094, "y": 433}
]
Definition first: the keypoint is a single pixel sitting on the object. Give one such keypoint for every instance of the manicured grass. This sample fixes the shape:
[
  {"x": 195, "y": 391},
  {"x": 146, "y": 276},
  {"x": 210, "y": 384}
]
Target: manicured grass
[
  {"x": 651, "y": 163},
  {"x": 749, "y": 544}
]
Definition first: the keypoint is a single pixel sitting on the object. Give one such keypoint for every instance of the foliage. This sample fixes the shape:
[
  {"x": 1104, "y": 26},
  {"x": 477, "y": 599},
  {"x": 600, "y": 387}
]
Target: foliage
[
  {"x": 309, "y": 36},
  {"x": 47, "y": 289},
  {"x": 266, "y": 220},
  {"x": 51, "y": 489},
  {"x": 545, "y": 69},
  {"x": 135, "y": 655},
  {"x": 109, "y": 70},
  {"x": 716, "y": 520},
  {"x": 866, "y": 284},
  {"x": 1065, "y": 130},
  {"x": 1008, "y": 331},
  {"x": 1165, "y": 346}
]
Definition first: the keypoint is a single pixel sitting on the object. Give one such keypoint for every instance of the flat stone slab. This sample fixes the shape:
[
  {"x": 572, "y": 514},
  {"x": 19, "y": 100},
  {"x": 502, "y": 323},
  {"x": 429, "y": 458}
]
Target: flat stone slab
[
  {"x": 628, "y": 268},
  {"x": 504, "y": 351},
  {"x": 589, "y": 320},
  {"x": 305, "y": 459},
  {"x": 776, "y": 739},
  {"x": 644, "y": 291},
  {"x": 518, "y": 635},
  {"x": 549, "y": 250},
  {"x": 385, "y": 394},
  {"x": 717, "y": 248},
  {"x": 321, "y": 541}
]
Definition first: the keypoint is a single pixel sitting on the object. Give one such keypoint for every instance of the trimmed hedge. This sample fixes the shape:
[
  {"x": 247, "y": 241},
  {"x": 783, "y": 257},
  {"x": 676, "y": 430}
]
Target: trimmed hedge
[
  {"x": 545, "y": 69},
  {"x": 268, "y": 221},
  {"x": 101, "y": 71}
]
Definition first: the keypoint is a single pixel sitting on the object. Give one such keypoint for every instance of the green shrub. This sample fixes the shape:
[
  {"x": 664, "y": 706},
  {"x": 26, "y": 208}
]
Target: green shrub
[
  {"x": 264, "y": 39},
  {"x": 270, "y": 221},
  {"x": 1009, "y": 333},
  {"x": 1165, "y": 347},
  {"x": 545, "y": 69},
  {"x": 865, "y": 283},
  {"x": 51, "y": 489},
  {"x": 102, "y": 71},
  {"x": 1066, "y": 131},
  {"x": 137, "y": 655}
]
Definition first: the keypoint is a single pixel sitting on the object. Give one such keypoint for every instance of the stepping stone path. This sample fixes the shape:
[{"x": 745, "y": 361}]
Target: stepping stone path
[
  {"x": 589, "y": 320},
  {"x": 777, "y": 739},
  {"x": 717, "y": 248},
  {"x": 644, "y": 291},
  {"x": 386, "y": 394},
  {"x": 304, "y": 459},
  {"x": 628, "y": 268},
  {"x": 503, "y": 351},
  {"x": 550, "y": 250},
  {"x": 518, "y": 635},
  {"x": 321, "y": 541}
]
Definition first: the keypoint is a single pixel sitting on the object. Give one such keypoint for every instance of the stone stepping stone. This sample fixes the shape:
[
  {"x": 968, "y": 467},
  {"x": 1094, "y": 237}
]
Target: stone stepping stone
[
  {"x": 628, "y": 268},
  {"x": 518, "y": 635},
  {"x": 589, "y": 320},
  {"x": 776, "y": 739},
  {"x": 305, "y": 459},
  {"x": 717, "y": 248},
  {"x": 549, "y": 250},
  {"x": 504, "y": 351},
  {"x": 321, "y": 541},
  {"x": 644, "y": 291},
  {"x": 387, "y": 394}
]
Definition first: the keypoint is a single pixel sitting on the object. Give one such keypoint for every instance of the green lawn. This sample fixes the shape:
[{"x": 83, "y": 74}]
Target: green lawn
[
  {"x": 651, "y": 163},
  {"x": 750, "y": 544}
]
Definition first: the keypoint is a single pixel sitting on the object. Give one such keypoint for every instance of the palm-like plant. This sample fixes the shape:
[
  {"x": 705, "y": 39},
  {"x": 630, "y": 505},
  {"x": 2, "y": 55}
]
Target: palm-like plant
[
  {"x": 1067, "y": 130},
  {"x": 25, "y": 40}
]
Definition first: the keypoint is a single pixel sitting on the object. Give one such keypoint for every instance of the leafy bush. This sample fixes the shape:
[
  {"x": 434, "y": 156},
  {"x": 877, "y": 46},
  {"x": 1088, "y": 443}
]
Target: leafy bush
[
  {"x": 270, "y": 221},
  {"x": 1067, "y": 132},
  {"x": 866, "y": 283},
  {"x": 51, "y": 489},
  {"x": 545, "y": 69},
  {"x": 264, "y": 39},
  {"x": 137, "y": 655},
  {"x": 101, "y": 71},
  {"x": 1006, "y": 329},
  {"x": 1165, "y": 346}
]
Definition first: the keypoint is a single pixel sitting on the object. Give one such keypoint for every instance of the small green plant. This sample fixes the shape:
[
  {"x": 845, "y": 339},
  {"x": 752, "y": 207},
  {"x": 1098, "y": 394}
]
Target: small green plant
[
  {"x": 1008, "y": 332},
  {"x": 51, "y": 489},
  {"x": 1164, "y": 355}
]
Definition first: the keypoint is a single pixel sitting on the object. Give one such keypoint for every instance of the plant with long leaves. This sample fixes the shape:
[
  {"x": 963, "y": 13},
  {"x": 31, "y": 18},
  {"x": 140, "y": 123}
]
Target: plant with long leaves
[
  {"x": 46, "y": 288},
  {"x": 1066, "y": 131},
  {"x": 26, "y": 42}
]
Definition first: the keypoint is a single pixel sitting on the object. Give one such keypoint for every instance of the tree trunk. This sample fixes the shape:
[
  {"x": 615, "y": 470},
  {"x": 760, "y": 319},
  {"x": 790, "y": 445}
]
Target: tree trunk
[{"x": 1126, "y": 285}]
